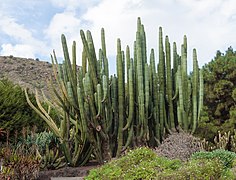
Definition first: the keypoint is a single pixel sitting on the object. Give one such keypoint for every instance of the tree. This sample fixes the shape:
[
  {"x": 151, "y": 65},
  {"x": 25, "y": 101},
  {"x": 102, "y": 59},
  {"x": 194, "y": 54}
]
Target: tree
[
  {"x": 220, "y": 94},
  {"x": 15, "y": 113}
]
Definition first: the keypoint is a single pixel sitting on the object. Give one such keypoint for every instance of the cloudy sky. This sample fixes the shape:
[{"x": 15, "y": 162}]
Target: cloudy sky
[{"x": 32, "y": 28}]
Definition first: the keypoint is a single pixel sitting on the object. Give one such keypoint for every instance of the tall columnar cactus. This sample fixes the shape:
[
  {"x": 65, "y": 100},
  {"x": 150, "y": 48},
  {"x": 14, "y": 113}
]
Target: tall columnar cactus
[
  {"x": 155, "y": 121},
  {"x": 121, "y": 112},
  {"x": 169, "y": 85},
  {"x": 140, "y": 82},
  {"x": 190, "y": 90},
  {"x": 195, "y": 91},
  {"x": 162, "y": 83},
  {"x": 184, "y": 85},
  {"x": 106, "y": 114},
  {"x": 72, "y": 131},
  {"x": 182, "y": 100}
]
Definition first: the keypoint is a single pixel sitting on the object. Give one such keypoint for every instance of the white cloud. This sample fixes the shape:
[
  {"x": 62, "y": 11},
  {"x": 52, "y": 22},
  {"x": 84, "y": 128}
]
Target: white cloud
[
  {"x": 209, "y": 25},
  {"x": 25, "y": 44},
  {"x": 117, "y": 19},
  {"x": 69, "y": 23},
  {"x": 15, "y": 30},
  {"x": 205, "y": 22},
  {"x": 228, "y": 8},
  {"x": 63, "y": 23},
  {"x": 18, "y": 50},
  {"x": 72, "y": 5}
]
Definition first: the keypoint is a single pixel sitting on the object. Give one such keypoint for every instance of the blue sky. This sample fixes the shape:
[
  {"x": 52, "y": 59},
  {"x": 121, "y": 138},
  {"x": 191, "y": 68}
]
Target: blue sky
[{"x": 32, "y": 28}]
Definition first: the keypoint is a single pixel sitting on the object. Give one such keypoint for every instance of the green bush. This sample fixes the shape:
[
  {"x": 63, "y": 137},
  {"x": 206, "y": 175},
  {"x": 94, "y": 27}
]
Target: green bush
[
  {"x": 228, "y": 174},
  {"x": 141, "y": 163},
  {"x": 225, "y": 157},
  {"x": 15, "y": 111},
  {"x": 197, "y": 169}
]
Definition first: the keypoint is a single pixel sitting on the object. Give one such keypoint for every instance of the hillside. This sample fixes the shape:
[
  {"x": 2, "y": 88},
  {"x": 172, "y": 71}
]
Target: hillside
[{"x": 28, "y": 73}]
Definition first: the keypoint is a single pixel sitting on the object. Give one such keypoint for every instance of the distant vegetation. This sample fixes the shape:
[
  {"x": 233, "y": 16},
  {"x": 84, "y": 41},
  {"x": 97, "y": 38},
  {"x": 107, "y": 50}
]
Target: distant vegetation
[{"x": 219, "y": 95}]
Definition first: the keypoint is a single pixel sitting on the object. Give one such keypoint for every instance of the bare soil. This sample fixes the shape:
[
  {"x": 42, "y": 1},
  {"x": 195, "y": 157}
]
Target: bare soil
[{"x": 68, "y": 171}]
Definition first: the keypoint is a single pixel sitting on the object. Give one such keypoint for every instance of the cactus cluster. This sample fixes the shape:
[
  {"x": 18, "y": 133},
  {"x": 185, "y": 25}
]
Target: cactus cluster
[
  {"x": 225, "y": 141},
  {"x": 137, "y": 106}
]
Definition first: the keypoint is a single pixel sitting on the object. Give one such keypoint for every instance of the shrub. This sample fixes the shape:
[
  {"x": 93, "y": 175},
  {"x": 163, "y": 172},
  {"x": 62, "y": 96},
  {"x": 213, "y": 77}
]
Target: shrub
[
  {"x": 225, "y": 157},
  {"x": 41, "y": 140},
  {"x": 15, "y": 111},
  {"x": 228, "y": 174},
  {"x": 141, "y": 163},
  {"x": 197, "y": 169},
  {"x": 48, "y": 149},
  {"x": 19, "y": 164},
  {"x": 179, "y": 145}
]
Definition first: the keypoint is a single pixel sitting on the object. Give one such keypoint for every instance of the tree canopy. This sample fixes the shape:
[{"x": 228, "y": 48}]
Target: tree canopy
[
  {"x": 15, "y": 113},
  {"x": 220, "y": 94}
]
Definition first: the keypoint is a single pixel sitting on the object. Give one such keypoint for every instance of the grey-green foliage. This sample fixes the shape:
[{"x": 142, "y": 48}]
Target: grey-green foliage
[
  {"x": 52, "y": 158},
  {"x": 47, "y": 148},
  {"x": 49, "y": 151},
  {"x": 41, "y": 140},
  {"x": 225, "y": 157}
]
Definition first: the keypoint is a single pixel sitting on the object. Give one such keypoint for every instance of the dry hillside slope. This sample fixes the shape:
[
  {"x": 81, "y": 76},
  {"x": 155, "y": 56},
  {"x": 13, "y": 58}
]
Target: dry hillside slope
[{"x": 28, "y": 73}]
